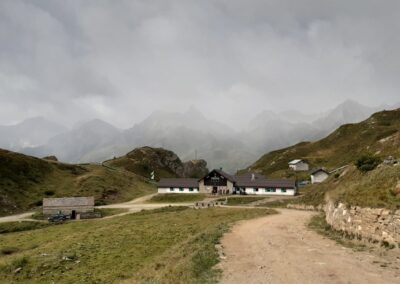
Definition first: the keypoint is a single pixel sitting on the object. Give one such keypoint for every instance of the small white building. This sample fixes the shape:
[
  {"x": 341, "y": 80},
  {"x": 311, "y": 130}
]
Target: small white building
[
  {"x": 298, "y": 165},
  {"x": 319, "y": 175}
]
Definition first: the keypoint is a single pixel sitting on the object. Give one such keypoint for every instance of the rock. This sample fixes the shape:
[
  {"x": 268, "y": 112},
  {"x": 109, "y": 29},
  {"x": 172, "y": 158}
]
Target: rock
[
  {"x": 51, "y": 158},
  {"x": 18, "y": 270}
]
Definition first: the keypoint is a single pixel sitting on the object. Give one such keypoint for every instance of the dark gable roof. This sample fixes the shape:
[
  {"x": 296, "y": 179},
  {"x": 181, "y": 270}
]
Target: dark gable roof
[
  {"x": 261, "y": 181},
  {"x": 178, "y": 182},
  {"x": 229, "y": 177},
  {"x": 314, "y": 171}
]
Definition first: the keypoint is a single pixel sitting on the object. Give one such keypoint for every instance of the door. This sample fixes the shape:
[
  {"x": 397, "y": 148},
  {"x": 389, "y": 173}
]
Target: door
[{"x": 73, "y": 215}]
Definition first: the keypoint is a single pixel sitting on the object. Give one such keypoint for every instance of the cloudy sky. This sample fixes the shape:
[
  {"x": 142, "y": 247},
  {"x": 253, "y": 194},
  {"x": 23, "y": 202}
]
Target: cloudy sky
[{"x": 120, "y": 60}]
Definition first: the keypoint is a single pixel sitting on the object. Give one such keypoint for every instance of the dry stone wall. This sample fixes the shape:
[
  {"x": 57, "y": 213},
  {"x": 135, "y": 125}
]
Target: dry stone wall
[{"x": 372, "y": 224}]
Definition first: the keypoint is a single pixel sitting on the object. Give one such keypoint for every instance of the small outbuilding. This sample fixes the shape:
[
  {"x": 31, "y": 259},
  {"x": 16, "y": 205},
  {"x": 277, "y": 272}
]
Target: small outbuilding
[
  {"x": 319, "y": 175},
  {"x": 299, "y": 165},
  {"x": 69, "y": 206}
]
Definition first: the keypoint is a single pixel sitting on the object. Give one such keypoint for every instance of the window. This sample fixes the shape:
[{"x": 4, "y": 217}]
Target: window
[
  {"x": 181, "y": 189},
  {"x": 270, "y": 189},
  {"x": 283, "y": 190},
  {"x": 171, "y": 189},
  {"x": 256, "y": 189},
  {"x": 191, "y": 189}
]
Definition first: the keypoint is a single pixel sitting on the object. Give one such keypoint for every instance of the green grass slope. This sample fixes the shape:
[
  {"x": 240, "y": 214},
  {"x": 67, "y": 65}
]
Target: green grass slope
[
  {"x": 380, "y": 134},
  {"x": 25, "y": 180},
  {"x": 170, "y": 245},
  {"x": 375, "y": 189}
]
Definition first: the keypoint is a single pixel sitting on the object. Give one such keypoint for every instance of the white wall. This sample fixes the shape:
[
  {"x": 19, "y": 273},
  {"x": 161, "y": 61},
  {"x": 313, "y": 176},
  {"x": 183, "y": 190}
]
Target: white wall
[
  {"x": 176, "y": 190},
  {"x": 319, "y": 177},
  {"x": 301, "y": 166},
  {"x": 262, "y": 191}
]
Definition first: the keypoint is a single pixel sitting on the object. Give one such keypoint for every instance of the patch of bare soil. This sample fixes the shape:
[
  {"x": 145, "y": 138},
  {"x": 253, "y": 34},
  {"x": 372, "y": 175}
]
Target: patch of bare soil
[{"x": 281, "y": 249}]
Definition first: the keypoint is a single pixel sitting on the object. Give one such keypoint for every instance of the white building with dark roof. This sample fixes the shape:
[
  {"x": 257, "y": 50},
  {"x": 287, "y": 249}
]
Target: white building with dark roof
[
  {"x": 319, "y": 175},
  {"x": 218, "y": 182},
  {"x": 299, "y": 165}
]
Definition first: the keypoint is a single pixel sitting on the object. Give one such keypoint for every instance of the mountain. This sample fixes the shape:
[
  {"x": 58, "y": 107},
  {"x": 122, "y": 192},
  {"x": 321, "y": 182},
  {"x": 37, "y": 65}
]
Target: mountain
[
  {"x": 164, "y": 163},
  {"x": 347, "y": 112},
  {"x": 92, "y": 141},
  {"x": 29, "y": 133},
  {"x": 25, "y": 180},
  {"x": 379, "y": 134},
  {"x": 189, "y": 133}
]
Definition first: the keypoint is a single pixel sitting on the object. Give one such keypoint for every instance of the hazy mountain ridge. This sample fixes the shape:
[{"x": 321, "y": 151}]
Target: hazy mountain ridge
[{"x": 190, "y": 134}]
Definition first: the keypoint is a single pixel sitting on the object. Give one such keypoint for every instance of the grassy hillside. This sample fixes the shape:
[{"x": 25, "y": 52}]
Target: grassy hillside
[
  {"x": 25, "y": 180},
  {"x": 380, "y": 134},
  {"x": 375, "y": 189},
  {"x": 167, "y": 245},
  {"x": 165, "y": 164}
]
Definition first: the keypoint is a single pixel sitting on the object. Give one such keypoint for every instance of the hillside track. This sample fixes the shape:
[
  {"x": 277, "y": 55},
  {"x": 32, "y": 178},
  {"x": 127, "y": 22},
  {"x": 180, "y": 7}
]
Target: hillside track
[{"x": 281, "y": 249}]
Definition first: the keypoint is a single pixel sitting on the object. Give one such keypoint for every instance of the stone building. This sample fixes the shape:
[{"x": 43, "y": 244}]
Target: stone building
[{"x": 68, "y": 206}]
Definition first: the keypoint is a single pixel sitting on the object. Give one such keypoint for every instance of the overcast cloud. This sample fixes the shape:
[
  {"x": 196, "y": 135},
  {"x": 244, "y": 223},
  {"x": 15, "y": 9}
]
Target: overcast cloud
[{"x": 120, "y": 60}]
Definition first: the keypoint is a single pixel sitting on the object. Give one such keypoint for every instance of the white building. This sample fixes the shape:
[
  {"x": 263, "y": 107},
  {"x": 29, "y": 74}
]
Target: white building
[
  {"x": 319, "y": 175},
  {"x": 218, "y": 182},
  {"x": 298, "y": 165}
]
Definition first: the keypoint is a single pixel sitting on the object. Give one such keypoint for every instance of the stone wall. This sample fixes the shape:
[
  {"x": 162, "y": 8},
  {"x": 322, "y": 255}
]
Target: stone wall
[
  {"x": 376, "y": 225},
  {"x": 305, "y": 207}
]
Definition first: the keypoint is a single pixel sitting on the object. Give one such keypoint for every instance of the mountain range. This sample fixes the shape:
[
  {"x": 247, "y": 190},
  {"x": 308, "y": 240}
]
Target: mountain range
[{"x": 189, "y": 134}]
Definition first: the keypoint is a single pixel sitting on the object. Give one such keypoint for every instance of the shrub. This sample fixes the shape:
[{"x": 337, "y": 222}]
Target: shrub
[
  {"x": 368, "y": 163},
  {"x": 8, "y": 250},
  {"x": 49, "y": 192}
]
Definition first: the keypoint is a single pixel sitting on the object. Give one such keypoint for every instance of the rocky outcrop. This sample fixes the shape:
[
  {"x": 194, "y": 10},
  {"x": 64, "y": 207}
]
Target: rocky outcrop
[
  {"x": 376, "y": 225},
  {"x": 50, "y": 158},
  {"x": 195, "y": 169},
  {"x": 143, "y": 161}
]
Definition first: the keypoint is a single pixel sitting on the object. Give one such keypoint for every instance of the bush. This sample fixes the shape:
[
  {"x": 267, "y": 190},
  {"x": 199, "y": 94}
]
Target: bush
[
  {"x": 368, "y": 163},
  {"x": 49, "y": 192},
  {"x": 8, "y": 250}
]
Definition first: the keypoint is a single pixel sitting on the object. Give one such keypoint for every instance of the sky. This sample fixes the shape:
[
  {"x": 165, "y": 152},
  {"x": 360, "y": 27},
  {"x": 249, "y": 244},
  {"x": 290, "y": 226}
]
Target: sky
[{"x": 121, "y": 60}]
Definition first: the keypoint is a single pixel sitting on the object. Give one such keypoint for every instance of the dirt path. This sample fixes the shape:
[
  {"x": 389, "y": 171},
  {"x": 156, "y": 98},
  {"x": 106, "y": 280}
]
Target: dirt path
[
  {"x": 19, "y": 217},
  {"x": 281, "y": 249}
]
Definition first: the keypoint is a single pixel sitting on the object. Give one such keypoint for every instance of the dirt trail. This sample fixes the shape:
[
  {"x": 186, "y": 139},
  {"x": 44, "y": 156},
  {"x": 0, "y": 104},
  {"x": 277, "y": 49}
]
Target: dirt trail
[
  {"x": 19, "y": 217},
  {"x": 281, "y": 249}
]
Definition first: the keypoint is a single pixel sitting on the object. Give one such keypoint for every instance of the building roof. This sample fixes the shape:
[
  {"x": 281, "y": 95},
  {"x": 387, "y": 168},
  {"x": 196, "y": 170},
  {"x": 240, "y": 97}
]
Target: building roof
[
  {"x": 263, "y": 182},
  {"x": 221, "y": 173},
  {"x": 314, "y": 171},
  {"x": 68, "y": 201},
  {"x": 259, "y": 180},
  {"x": 178, "y": 182},
  {"x": 294, "y": 162}
]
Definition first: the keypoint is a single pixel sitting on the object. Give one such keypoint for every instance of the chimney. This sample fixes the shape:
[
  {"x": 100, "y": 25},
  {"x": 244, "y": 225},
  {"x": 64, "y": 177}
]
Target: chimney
[{"x": 253, "y": 177}]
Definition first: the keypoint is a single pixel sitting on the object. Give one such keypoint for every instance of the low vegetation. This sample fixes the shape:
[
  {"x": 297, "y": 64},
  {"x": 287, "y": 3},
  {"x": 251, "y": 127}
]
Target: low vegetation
[
  {"x": 156, "y": 246},
  {"x": 25, "y": 181},
  {"x": 11, "y": 227},
  {"x": 368, "y": 162},
  {"x": 176, "y": 198}
]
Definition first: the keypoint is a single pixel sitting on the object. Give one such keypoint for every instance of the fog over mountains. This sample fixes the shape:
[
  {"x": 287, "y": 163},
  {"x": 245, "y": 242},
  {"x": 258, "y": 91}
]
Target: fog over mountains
[{"x": 190, "y": 134}]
